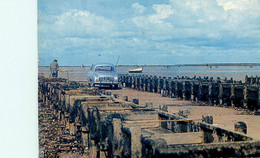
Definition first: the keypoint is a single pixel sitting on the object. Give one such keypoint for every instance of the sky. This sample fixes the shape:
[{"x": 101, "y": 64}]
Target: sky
[{"x": 84, "y": 32}]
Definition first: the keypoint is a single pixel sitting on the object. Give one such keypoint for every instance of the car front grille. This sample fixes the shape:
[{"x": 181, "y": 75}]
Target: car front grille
[{"x": 106, "y": 79}]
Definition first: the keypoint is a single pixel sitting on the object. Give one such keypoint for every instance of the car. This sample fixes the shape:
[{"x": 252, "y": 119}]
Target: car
[{"x": 103, "y": 75}]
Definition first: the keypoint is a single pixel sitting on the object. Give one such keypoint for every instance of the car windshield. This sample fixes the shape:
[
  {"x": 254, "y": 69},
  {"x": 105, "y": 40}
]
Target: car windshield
[{"x": 104, "y": 68}]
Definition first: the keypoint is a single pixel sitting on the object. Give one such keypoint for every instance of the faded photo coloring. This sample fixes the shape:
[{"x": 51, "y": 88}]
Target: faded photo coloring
[{"x": 138, "y": 78}]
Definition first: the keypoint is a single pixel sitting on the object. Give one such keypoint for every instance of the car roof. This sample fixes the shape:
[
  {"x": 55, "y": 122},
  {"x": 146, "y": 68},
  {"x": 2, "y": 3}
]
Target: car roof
[{"x": 103, "y": 64}]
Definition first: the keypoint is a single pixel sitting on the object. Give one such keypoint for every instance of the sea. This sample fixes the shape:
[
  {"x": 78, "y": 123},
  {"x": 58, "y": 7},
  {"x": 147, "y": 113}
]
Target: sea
[{"x": 237, "y": 72}]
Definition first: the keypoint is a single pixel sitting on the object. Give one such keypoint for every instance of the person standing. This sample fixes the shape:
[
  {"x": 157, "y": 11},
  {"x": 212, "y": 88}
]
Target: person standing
[{"x": 54, "y": 67}]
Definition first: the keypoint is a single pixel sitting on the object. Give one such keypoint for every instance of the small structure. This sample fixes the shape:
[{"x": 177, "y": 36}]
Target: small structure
[{"x": 136, "y": 70}]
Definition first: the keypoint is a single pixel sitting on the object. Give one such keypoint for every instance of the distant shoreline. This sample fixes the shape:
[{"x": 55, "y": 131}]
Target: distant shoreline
[{"x": 177, "y": 65}]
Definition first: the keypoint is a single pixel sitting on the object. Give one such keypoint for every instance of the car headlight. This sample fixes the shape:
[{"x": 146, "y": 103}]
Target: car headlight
[
  {"x": 116, "y": 79},
  {"x": 97, "y": 80}
]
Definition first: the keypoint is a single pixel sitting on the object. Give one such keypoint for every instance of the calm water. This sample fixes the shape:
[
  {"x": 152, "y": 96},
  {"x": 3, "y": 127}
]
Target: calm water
[{"x": 237, "y": 72}]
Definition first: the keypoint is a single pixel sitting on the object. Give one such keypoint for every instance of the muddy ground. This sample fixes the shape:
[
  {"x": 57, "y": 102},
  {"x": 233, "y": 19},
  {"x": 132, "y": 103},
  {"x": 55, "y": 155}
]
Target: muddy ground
[{"x": 222, "y": 117}]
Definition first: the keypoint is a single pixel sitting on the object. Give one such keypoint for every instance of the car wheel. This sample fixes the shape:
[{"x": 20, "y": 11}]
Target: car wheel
[
  {"x": 116, "y": 86},
  {"x": 91, "y": 83}
]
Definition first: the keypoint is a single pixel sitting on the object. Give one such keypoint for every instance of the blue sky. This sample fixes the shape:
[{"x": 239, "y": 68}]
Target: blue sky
[{"x": 77, "y": 32}]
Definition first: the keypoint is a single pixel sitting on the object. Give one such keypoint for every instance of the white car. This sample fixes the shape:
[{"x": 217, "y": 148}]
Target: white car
[{"x": 103, "y": 75}]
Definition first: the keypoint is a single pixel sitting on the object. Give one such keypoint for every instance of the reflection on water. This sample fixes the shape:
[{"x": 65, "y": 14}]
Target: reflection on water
[{"x": 237, "y": 72}]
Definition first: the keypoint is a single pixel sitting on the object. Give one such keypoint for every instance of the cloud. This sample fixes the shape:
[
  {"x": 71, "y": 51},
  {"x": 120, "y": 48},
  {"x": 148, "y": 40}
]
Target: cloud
[
  {"x": 239, "y": 4},
  {"x": 77, "y": 23},
  {"x": 154, "y": 26},
  {"x": 162, "y": 12},
  {"x": 83, "y": 23},
  {"x": 171, "y": 28},
  {"x": 138, "y": 8}
]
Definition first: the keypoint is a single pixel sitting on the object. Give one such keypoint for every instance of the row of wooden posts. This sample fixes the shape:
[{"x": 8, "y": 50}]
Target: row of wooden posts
[{"x": 205, "y": 90}]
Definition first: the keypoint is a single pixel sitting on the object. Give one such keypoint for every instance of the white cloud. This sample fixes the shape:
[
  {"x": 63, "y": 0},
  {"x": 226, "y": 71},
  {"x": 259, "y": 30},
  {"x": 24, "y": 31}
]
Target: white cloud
[
  {"x": 199, "y": 23},
  {"x": 162, "y": 12},
  {"x": 138, "y": 8},
  {"x": 179, "y": 28},
  {"x": 239, "y": 4},
  {"x": 79, "y": 23},
  {"x": 85, "y": 22},
  {"x": 194, "y": 5},
  {"x": 155, "y": 26}
]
